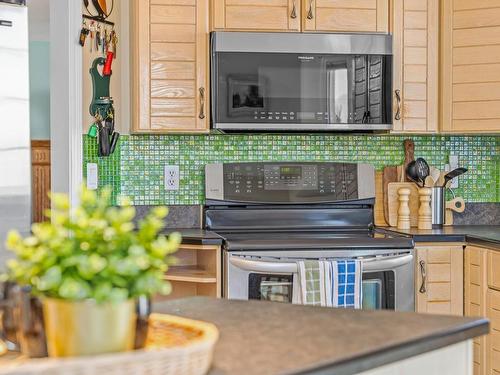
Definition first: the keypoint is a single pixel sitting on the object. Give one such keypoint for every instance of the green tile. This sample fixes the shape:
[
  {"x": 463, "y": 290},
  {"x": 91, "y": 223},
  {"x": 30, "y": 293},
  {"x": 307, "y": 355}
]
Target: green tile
[{"x": 136, "y": 168}]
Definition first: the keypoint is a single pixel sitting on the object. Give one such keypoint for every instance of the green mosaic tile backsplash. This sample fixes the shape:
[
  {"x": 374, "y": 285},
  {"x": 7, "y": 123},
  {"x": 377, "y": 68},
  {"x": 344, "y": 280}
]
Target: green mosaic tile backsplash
[{"x": 136, "y": 168}]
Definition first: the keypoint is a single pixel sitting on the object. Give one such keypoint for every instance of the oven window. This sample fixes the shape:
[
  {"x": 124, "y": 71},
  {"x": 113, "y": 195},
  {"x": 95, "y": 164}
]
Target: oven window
[
  {"x": 276, "y": 288},
  {"x": 379, "y": 291}
]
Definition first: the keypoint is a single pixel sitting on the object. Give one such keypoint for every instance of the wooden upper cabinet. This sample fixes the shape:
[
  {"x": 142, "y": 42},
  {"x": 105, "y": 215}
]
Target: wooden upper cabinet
[
  {"x": 470, "y": 78},
  {"x": 415, "y": 38},
  {"x": 256, "y": 15},
  {"x": 170, "y": 65},
  {"x": 345, "y": 15}
]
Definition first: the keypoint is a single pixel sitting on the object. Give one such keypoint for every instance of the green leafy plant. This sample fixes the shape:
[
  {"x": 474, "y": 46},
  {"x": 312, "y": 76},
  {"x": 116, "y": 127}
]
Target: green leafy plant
[{"x": 94, "y": 251}]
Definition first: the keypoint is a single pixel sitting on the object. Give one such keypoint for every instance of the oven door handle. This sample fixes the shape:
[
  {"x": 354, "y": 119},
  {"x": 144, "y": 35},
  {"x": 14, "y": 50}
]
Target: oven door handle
[{"x": 371, "y": 265}]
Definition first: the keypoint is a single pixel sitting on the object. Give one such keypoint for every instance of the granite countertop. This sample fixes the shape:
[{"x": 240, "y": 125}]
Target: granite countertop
[
  {"x": 483, "y": 235},
  {"x": 197, "y": 236},
  {"x": 274, "y": 338}
]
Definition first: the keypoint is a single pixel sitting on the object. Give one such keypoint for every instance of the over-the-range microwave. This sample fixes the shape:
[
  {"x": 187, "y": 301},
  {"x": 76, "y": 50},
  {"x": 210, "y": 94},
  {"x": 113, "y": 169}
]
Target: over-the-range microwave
[{"x": 301, "y": 81}]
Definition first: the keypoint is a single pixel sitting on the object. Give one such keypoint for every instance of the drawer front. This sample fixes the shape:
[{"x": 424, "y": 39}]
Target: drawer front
[{"x": 493, "y": 269}]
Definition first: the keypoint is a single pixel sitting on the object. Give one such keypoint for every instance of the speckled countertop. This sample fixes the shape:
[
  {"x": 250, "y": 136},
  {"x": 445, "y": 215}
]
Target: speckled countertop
[
  {"x": 273, "y": 338},
  {"x": 482, "y": 235},
  {"x": 197, "y": 236}
]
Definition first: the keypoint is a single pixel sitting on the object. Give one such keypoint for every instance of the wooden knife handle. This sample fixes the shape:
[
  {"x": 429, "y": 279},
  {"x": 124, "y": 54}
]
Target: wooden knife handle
[{"x": 409, "y": 146}]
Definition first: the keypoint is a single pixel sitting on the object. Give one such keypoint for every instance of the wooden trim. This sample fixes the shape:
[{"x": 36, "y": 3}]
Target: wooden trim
[
  {"x": 446, "y": 71},
  {"x": 218, "y": 10},
  {"x": 457, "y": 281},
  {"x": 439, "y": 244},
  {"x": 398, "y": 30},
  {"x": 202, "y": 64},
  {"x": 36, "y": 143},
  {"x": 433, "y": 66},
  {"x": 199, "y": 247},
  {"x": 141, "y": 65},
  {"x": 383, "y": 15}
]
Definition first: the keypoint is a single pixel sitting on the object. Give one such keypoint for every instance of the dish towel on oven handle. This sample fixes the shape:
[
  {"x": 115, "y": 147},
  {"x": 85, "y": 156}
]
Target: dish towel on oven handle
[
  {"x": 347, "y": 281},
  {"x": 329, "y": 283}
]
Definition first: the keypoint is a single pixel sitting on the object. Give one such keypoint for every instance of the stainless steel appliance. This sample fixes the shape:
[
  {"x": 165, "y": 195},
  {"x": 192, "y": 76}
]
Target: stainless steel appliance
[
  {"x": 15, "y": 156},
  {"x": 301, "y": 81},
  {"x": 273, "y": 214}
]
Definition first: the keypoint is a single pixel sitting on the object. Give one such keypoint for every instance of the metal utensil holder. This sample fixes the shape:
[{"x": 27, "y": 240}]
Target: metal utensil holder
[{"x": 438, "y": 206}]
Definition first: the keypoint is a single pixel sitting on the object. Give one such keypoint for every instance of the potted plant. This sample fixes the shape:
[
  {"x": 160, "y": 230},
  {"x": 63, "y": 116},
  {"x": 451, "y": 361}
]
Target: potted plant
[{"x": 88, "y": 265}]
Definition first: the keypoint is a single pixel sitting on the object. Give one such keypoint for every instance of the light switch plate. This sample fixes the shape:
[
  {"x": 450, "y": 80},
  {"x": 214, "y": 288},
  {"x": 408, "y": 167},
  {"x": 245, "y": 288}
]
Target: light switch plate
[
  {"x": 453, "y": 160},
  {"x": 172, "y": 177},
  {"x": 92, "y": 176}
]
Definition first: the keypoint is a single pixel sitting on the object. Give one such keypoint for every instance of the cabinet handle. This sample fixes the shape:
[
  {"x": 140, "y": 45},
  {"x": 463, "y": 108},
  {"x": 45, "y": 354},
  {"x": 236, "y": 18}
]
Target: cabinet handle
[
  {"x": 398, "y": 99},
  {"x": 293, "y": 14},
  {"x": 310, "y": 15},
  {"x": 202, "y": 103},
  {"x": 423, "y": 273}
]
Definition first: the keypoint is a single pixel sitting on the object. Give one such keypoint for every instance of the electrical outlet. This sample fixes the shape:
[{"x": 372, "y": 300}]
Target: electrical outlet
[
  {"x": 453, "y": 160},
  {"x": 172, "y": 177},
  {"x": 92, "y": 176}
]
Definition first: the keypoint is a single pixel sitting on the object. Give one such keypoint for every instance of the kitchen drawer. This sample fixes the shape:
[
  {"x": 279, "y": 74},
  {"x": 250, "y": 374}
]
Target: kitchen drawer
[{"x": 494, "y": 269}]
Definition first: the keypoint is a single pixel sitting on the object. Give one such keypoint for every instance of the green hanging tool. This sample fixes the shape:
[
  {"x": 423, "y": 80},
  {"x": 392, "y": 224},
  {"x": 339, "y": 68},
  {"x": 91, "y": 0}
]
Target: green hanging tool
[
  {"x": 102, "y": 103},
  {"x": 101, "y": 107}
]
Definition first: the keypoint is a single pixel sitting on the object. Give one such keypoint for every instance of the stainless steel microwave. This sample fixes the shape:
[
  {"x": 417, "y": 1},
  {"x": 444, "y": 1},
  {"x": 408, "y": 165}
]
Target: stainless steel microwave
[{"x": 301, "y": 82}]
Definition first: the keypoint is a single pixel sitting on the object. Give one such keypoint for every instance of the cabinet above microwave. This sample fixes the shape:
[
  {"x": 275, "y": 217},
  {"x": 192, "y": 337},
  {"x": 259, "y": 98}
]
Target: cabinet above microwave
[{"x": 301, "y": 82}]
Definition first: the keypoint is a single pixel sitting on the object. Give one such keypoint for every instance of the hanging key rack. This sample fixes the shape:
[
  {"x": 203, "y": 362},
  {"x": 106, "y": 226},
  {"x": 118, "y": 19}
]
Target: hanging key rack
[{"x": 98, "y": 20}]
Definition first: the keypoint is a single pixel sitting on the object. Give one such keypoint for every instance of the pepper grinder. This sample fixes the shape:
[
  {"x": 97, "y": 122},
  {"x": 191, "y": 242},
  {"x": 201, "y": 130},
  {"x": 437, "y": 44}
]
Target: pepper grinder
[
  {"x": 404, "y": 208},
  {"x": 424, "y": 211}
]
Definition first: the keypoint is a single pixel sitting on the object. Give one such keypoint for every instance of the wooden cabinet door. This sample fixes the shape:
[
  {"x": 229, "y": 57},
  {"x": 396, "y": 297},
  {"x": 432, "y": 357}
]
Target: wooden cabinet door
[
  {"x": 345, "y": 15},
  {"x": 170, "y": 65},
  {"x": 256, "y": 15},
  {"x": 493, "y": 339},
  {"x": 439, "y": 279},
  {"x": 416, "y": 34},
  {"x": 475, "y": 290},
  {"x": 470, "y": 78}
]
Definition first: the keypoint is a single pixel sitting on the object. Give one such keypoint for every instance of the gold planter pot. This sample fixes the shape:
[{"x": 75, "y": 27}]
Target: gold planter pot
[{"x": 88, "y": 328}]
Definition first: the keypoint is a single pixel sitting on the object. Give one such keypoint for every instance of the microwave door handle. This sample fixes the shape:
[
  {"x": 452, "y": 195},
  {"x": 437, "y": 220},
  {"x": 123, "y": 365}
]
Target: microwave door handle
[
  {"x": 386, "y": 264},
  {"x": 259, "y": 266}
]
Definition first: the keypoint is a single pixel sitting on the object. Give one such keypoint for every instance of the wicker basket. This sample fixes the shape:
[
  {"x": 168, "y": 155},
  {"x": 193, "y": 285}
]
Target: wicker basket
[{"x": 174, "y": 346}]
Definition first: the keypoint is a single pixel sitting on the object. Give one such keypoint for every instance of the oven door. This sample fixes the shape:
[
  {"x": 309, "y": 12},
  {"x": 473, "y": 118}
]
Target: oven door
[{"x": 387, "y": 280}]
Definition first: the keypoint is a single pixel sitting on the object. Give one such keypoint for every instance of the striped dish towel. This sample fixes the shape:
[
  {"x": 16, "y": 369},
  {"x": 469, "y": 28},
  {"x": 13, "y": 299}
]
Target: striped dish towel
[{"x": 335, "y": 283}]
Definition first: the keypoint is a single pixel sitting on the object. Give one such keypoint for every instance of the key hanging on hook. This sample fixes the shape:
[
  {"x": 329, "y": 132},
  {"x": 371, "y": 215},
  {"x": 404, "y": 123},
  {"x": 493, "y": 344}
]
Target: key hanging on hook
[
  {"x": 92, "y": 29},
  {"x": 83, "y": 34}
]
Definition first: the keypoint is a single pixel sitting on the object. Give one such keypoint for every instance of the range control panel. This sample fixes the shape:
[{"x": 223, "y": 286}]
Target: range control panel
[{"x": 294, "y": 182}]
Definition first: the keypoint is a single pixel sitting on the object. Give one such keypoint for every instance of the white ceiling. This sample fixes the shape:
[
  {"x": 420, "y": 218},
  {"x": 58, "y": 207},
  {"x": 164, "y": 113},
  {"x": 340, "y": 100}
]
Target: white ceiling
[{"x": 39, "y": 19}]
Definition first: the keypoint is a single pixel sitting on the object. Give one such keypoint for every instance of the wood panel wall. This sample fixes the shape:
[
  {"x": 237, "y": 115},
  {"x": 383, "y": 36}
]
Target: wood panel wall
[{"x": 40, "y": 169}]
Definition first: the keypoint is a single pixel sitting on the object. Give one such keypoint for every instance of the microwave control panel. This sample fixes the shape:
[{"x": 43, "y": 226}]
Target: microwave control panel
[{"x": 294, "y": 182}]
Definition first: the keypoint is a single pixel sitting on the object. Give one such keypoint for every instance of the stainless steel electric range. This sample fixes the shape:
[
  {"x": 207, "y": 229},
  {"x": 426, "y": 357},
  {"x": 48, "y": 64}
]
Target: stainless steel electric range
[{"x": 272, "y": 214}]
